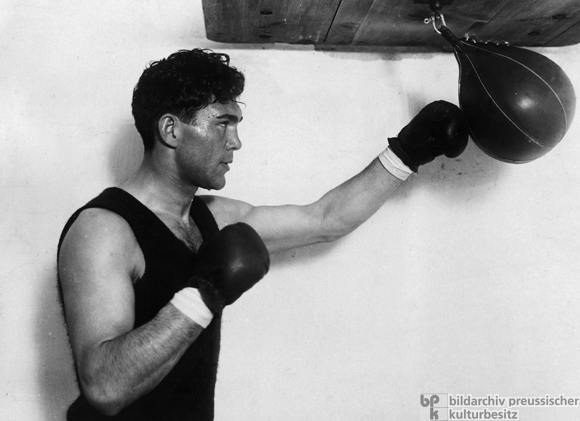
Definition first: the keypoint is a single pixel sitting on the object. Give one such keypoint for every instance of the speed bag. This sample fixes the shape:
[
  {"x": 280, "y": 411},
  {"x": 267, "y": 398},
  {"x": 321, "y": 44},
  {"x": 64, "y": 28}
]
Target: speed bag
[{"x": 518, "y": 103}]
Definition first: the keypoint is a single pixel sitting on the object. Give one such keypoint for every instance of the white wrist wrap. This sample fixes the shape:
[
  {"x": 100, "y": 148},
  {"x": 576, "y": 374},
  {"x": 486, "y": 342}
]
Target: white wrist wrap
[
  {"x": 190, "y": 303},
  {"x": 394, "y": 165}
]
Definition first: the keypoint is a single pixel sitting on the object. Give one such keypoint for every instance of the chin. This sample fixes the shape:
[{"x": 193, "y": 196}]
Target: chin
[{"x": 218, "y": 185}]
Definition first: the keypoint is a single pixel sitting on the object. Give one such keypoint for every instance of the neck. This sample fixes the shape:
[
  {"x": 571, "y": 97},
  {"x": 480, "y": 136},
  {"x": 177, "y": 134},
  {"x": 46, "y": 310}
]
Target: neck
[{"x": 160, "y": 190}]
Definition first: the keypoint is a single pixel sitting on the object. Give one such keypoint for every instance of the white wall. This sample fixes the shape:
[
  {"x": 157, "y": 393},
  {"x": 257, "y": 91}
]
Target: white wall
[{"x": 465, "y": 282}]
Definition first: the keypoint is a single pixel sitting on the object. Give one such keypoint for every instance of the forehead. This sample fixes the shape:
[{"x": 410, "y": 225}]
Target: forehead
[{"x": 219, "y": 110}]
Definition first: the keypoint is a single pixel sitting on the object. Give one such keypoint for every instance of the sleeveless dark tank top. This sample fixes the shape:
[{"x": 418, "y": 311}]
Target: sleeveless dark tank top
[{"x": 187, "y": 392}]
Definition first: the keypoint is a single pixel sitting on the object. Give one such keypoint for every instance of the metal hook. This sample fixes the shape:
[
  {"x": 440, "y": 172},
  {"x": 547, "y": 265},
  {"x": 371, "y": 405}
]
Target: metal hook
[{"x": 436, "y": 16}]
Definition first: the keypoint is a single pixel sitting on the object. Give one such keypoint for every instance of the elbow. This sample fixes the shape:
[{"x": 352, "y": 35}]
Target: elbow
[
  {"x": 104, "y": 403},
  {"x": 103, "y": 397},
  {"x": 326, "y": 224},
  {"x": 335, "y": 229}
]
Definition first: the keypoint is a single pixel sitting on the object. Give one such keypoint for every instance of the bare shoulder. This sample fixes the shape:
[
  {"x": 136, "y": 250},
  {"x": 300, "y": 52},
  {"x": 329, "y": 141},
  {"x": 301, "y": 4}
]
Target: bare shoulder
[
  {"x": 99, "y": 260},
  {"x": 99, "y": 234},
  {"x": 226, "y": 211}
]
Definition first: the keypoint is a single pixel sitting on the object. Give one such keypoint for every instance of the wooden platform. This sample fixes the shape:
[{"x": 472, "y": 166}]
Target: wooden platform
[{"x": 390, "y": 23}]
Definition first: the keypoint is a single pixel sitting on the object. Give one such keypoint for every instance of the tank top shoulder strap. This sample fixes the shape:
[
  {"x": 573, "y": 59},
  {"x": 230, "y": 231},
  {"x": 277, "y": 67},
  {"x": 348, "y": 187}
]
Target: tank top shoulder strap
[
  {"x": 203, "y": 218},
  {"x": 139, "y": 217},
  {"x": 142, "y": 219}
]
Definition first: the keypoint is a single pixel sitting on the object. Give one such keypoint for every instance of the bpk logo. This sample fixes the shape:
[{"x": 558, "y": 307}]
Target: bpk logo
[{"x": 434, "y": 406}]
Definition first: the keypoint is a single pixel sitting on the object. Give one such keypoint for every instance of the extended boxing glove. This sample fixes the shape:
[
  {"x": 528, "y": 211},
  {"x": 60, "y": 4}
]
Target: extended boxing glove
[
  {"x": 228, "y": 265},
  {"x": 440, "y": 128}
]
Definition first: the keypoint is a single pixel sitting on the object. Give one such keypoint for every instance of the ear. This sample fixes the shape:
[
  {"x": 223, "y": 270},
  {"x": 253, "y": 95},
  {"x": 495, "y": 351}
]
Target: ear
[{"x": 167, "y": 126}]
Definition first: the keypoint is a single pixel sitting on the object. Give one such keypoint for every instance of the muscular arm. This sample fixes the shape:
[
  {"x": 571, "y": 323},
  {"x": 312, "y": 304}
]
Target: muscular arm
[
  {"x": 334, "y": 215},
  {"x": 117, "y": 364},
  {"x": 439, "y": 129}
]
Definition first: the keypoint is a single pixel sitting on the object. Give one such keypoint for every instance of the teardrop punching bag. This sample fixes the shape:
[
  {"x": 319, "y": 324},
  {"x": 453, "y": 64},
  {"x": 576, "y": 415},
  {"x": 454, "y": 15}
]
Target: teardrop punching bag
[{"x": 518, "y": 103}]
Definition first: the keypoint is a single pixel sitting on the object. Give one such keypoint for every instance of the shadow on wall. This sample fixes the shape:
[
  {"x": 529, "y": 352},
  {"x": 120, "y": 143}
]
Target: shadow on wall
[
  {"x": 303, "y": 254},
  {"x": 456, "y": 178},
  {"x": 125, "y": 154},
  {"x": 56, "y": 378}
]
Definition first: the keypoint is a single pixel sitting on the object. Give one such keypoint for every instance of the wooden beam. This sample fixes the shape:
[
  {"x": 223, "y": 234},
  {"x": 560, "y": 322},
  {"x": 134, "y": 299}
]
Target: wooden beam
[
  {"x": 348, "y": 18},
  {"x": 568, "y": 37},
  {"x": 309, "y": 20},
  {"x": 396, "y": 23},
  {"x": 401, "y": 22},
  {"x": 231, "y": 22},
  {"x": 269, "y": 21},
  {"x": 531, "y": 23}
]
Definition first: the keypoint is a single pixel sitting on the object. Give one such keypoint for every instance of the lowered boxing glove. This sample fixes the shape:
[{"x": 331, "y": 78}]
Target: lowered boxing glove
[
  {"x": 439, "y": 129},
  {"x": 229, "y": 264}
]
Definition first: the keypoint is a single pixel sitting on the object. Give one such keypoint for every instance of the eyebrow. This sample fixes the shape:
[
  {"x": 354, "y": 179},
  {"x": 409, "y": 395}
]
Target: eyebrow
[{"x": 231, "y": 117}]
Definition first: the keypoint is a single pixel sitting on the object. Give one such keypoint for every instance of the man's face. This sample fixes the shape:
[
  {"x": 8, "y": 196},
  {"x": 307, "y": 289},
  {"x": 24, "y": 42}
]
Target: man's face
[{"x": 207, "y": 146}]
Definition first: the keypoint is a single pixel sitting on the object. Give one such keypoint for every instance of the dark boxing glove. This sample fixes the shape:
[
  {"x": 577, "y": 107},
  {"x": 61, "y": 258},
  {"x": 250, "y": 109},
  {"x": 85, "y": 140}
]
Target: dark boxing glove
[
  {"x": 439, "y": 129},
  {"x": 228, "y": 265}
]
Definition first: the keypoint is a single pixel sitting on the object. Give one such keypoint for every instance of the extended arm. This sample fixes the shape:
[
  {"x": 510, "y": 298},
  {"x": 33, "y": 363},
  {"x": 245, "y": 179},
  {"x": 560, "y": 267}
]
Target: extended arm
[
  {"x": 334, "y": 215},
  {"x": 438, "y": 129}
]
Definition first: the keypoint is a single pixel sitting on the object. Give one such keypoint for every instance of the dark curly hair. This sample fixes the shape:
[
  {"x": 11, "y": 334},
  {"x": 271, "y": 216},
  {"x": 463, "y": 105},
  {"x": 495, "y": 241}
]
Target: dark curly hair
[{"x": 183, "y": 83}]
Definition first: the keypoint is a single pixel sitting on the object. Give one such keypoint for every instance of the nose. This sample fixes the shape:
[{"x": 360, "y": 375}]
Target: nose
[{"x": 234, "y": 142}]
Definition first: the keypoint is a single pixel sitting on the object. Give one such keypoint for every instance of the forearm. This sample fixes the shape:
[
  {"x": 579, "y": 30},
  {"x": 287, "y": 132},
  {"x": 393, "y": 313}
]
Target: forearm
[
  {"x": 438, "y": 129},
  {"x": 117, "y": 372},
  {"x": 350, "y": 204}
]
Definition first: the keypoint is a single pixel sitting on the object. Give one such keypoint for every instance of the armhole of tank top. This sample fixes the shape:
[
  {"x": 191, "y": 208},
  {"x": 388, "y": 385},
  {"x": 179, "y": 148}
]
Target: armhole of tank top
[{"x": 203, "y": 218}]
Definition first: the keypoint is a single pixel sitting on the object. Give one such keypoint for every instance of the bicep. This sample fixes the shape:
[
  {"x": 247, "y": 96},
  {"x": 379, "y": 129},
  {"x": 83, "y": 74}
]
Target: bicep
[
  {"x": 289, "y": 226},
  {"x": 281, "y": 227},
  {"x": 95, "y": 273}
]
